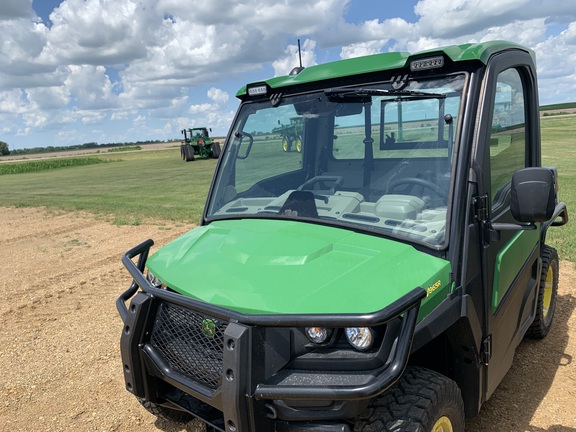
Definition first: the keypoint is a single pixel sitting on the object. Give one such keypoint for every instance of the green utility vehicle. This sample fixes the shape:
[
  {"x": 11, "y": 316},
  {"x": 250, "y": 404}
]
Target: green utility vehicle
[
  {"x": 381, "y": 278},
  {"x": 197, "y": 142}
]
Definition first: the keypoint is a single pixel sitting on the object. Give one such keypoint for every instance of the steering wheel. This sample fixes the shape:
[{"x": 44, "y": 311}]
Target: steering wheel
[
  {"x": 336, "y": 180},
  {"x": 419, "y": 182}
]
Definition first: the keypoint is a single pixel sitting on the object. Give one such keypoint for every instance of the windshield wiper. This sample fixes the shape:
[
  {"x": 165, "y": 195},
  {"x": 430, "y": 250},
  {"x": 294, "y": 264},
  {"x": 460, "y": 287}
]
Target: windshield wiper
[{"x": 365, "y": 95}]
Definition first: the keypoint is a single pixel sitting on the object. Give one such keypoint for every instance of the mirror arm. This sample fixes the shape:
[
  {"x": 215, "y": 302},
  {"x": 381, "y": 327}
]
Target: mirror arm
[{"x": 559, "y": 212}]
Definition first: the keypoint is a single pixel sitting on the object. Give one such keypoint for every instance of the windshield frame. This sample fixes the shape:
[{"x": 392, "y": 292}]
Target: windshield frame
[{"x": 248, "y": 108}]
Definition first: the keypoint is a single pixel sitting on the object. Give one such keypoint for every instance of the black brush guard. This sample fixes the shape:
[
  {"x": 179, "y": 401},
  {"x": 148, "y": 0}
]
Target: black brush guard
[{"x": 234, "y": 395}]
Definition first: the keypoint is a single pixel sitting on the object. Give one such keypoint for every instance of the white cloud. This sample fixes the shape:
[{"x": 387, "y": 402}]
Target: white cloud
[
  {"x": 201, "y": 108},
  {"x": 12, "y": 9},
  {"x": 96, "y": 32},
  {"x": 56, "y": 97},
  {"x": 104, "y": 60},
  {"x": 90, "y": 86},
  {"x": 361, "y": 49},
  {"x": 218, "y": 96},
  {"x": 284, "y": 65}
]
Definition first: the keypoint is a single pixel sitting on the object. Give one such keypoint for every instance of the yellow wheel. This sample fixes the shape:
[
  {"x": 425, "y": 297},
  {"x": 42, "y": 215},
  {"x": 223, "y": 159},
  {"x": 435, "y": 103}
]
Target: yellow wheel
[
  {"x": 443, "y": 424},
  {"x": 285, "y": 144},
  {"x": 546, "y": 300},
  {"x": 298, "y": 142},
  {"x": 548, "y": 289}
]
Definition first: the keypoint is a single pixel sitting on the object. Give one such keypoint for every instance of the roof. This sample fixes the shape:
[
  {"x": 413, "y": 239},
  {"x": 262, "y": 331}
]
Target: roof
[{"x": 386, "y": 61}]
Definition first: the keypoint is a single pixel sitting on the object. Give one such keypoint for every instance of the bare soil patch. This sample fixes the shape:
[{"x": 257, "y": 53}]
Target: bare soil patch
[{"x": 59, "y": 345}]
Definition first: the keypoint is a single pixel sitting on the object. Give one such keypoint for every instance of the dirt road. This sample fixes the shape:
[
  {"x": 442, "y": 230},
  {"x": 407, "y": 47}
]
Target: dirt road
[{"x": 60, "y": 275}]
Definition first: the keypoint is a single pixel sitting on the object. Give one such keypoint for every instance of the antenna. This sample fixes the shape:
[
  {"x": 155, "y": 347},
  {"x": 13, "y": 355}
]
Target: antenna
[{"x": 300, "y": 68}]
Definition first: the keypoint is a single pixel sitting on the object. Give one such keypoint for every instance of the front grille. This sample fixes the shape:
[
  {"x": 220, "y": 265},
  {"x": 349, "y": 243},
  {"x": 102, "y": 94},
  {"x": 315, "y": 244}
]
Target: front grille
[{"x": 191, "y": 343}]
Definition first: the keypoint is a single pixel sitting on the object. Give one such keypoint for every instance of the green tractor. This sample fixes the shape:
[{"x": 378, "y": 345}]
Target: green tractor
[
  {"x": 197, "y": 142},
  {"x": 291, "y": 134}
]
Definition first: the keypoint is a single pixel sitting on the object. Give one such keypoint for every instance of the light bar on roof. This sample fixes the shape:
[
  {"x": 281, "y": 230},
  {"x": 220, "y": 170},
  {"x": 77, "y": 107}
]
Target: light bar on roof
[
  {"x": 257, "y": 90},
  {"x": 427, "y": 63}
]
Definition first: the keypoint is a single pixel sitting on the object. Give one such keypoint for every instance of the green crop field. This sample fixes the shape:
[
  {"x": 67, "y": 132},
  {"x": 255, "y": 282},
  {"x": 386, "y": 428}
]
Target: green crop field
[{"x": 156, "y": 186}]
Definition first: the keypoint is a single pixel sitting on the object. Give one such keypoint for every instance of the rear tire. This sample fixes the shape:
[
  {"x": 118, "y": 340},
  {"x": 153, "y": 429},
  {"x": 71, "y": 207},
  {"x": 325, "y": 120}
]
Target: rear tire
[
  {"x": 188, "y": 153},
  {"x": 421, "y": 401},
  {"x": 166, "y": 413},
  {"x": 286, "y": 144},
  {"x": 546, "y": 302},
  {"x": 298, "y": 143},
  {"x": 216, "y": 150}
]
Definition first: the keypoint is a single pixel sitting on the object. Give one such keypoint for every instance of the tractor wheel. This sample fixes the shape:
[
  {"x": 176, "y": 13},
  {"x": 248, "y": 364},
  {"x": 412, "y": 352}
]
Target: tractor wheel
[
  {"x": 422, "y": 400},
  {"x": 298, "y": 143},
  {"x": 166, "y": 413},
  {"x": 286, "y": 144},
  {"x": 546, "y": 302},
  {"x": 216, "y": 150},
  {"x": 188, "y": 153},
  {"x": 183, "y": 152}
]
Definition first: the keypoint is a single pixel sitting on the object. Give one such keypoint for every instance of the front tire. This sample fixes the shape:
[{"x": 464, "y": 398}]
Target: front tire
[
  {"x": 166, "y": 413},
  {"x": 546, "y": 302},
  {"x": 421, "y": 401}
]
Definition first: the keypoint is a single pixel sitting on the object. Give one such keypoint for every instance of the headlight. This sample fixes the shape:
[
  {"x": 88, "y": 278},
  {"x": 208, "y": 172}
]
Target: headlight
[
  {"x": 318, "y": 335},
  {"x": 361, "y": 338},
  {"x": 157, "y": 283}
]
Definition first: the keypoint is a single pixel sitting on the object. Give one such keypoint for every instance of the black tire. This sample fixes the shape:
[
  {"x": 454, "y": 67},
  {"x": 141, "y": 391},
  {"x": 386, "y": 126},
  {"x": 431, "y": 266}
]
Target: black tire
[
  {"x": 286, "y": 143},
  {"x": 182, "y": 152},
  {"x": 216, "y": 150},
  {"x": 298, "y": 143},
  {"x": 421, "y": 401},
  {"x": 166, "y": 413},
  {"x": 188, "y": 153},
  {"x": 546, "y": 302}
]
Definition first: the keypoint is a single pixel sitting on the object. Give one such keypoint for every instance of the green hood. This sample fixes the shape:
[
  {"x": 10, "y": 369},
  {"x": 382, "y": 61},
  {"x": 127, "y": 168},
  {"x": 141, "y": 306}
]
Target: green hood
[{"x": 288, "y": 267}]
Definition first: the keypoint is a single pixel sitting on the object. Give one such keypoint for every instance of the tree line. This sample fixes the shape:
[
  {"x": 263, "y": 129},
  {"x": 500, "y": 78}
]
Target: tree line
[{"x": 5, "y": 150}]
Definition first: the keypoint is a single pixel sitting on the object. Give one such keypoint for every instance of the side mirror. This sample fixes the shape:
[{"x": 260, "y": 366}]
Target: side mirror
[{"x": 533, "y": 194}]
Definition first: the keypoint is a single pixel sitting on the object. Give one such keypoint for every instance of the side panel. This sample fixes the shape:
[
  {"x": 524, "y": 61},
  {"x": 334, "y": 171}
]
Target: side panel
[{"x": 509, "y": 263}]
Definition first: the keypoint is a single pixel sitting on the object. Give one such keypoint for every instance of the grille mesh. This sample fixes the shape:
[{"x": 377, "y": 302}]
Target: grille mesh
[{"x": 191, "y": 343}]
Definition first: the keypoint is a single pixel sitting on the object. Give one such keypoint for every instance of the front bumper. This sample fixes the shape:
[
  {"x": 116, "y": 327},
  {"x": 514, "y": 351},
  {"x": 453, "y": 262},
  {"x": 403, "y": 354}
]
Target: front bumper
[{"x": 238, "y": 372}]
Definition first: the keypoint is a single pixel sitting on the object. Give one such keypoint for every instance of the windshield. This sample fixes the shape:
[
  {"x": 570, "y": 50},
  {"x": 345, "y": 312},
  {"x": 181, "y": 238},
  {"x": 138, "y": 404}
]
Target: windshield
[{"x": 373, "y": 158}]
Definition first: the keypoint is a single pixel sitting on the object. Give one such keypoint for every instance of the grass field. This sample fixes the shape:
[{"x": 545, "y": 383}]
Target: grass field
[
  {"x": 156, "y": 186},
  {"x": 140, "y": 186}
]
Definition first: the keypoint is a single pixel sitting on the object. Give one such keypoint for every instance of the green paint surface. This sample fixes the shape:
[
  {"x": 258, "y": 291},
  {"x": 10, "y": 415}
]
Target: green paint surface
[
  {"x": 287, "y": 267},
  {"x": 387, "y": 61},
  {"x": 509, "y": 262}
]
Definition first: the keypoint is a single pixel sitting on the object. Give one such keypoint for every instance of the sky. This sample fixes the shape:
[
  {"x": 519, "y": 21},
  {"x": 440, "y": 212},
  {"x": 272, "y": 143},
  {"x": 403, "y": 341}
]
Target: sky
[{"x": 105, "y": 71}]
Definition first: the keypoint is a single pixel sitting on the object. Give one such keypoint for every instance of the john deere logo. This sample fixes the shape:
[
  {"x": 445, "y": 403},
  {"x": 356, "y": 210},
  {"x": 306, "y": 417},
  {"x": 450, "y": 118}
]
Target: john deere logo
[{"x": 208, "y": 328}]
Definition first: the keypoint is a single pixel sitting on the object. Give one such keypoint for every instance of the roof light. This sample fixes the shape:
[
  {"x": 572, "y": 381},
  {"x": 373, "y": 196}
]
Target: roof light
[
  {"x": 427, "y": 63},
  {"x": 257, "y": 90}
]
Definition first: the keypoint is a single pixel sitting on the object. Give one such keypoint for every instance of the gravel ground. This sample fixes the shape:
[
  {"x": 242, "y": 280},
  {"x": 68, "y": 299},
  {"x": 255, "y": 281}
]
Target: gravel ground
[{"x": 59, "y": 358}]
